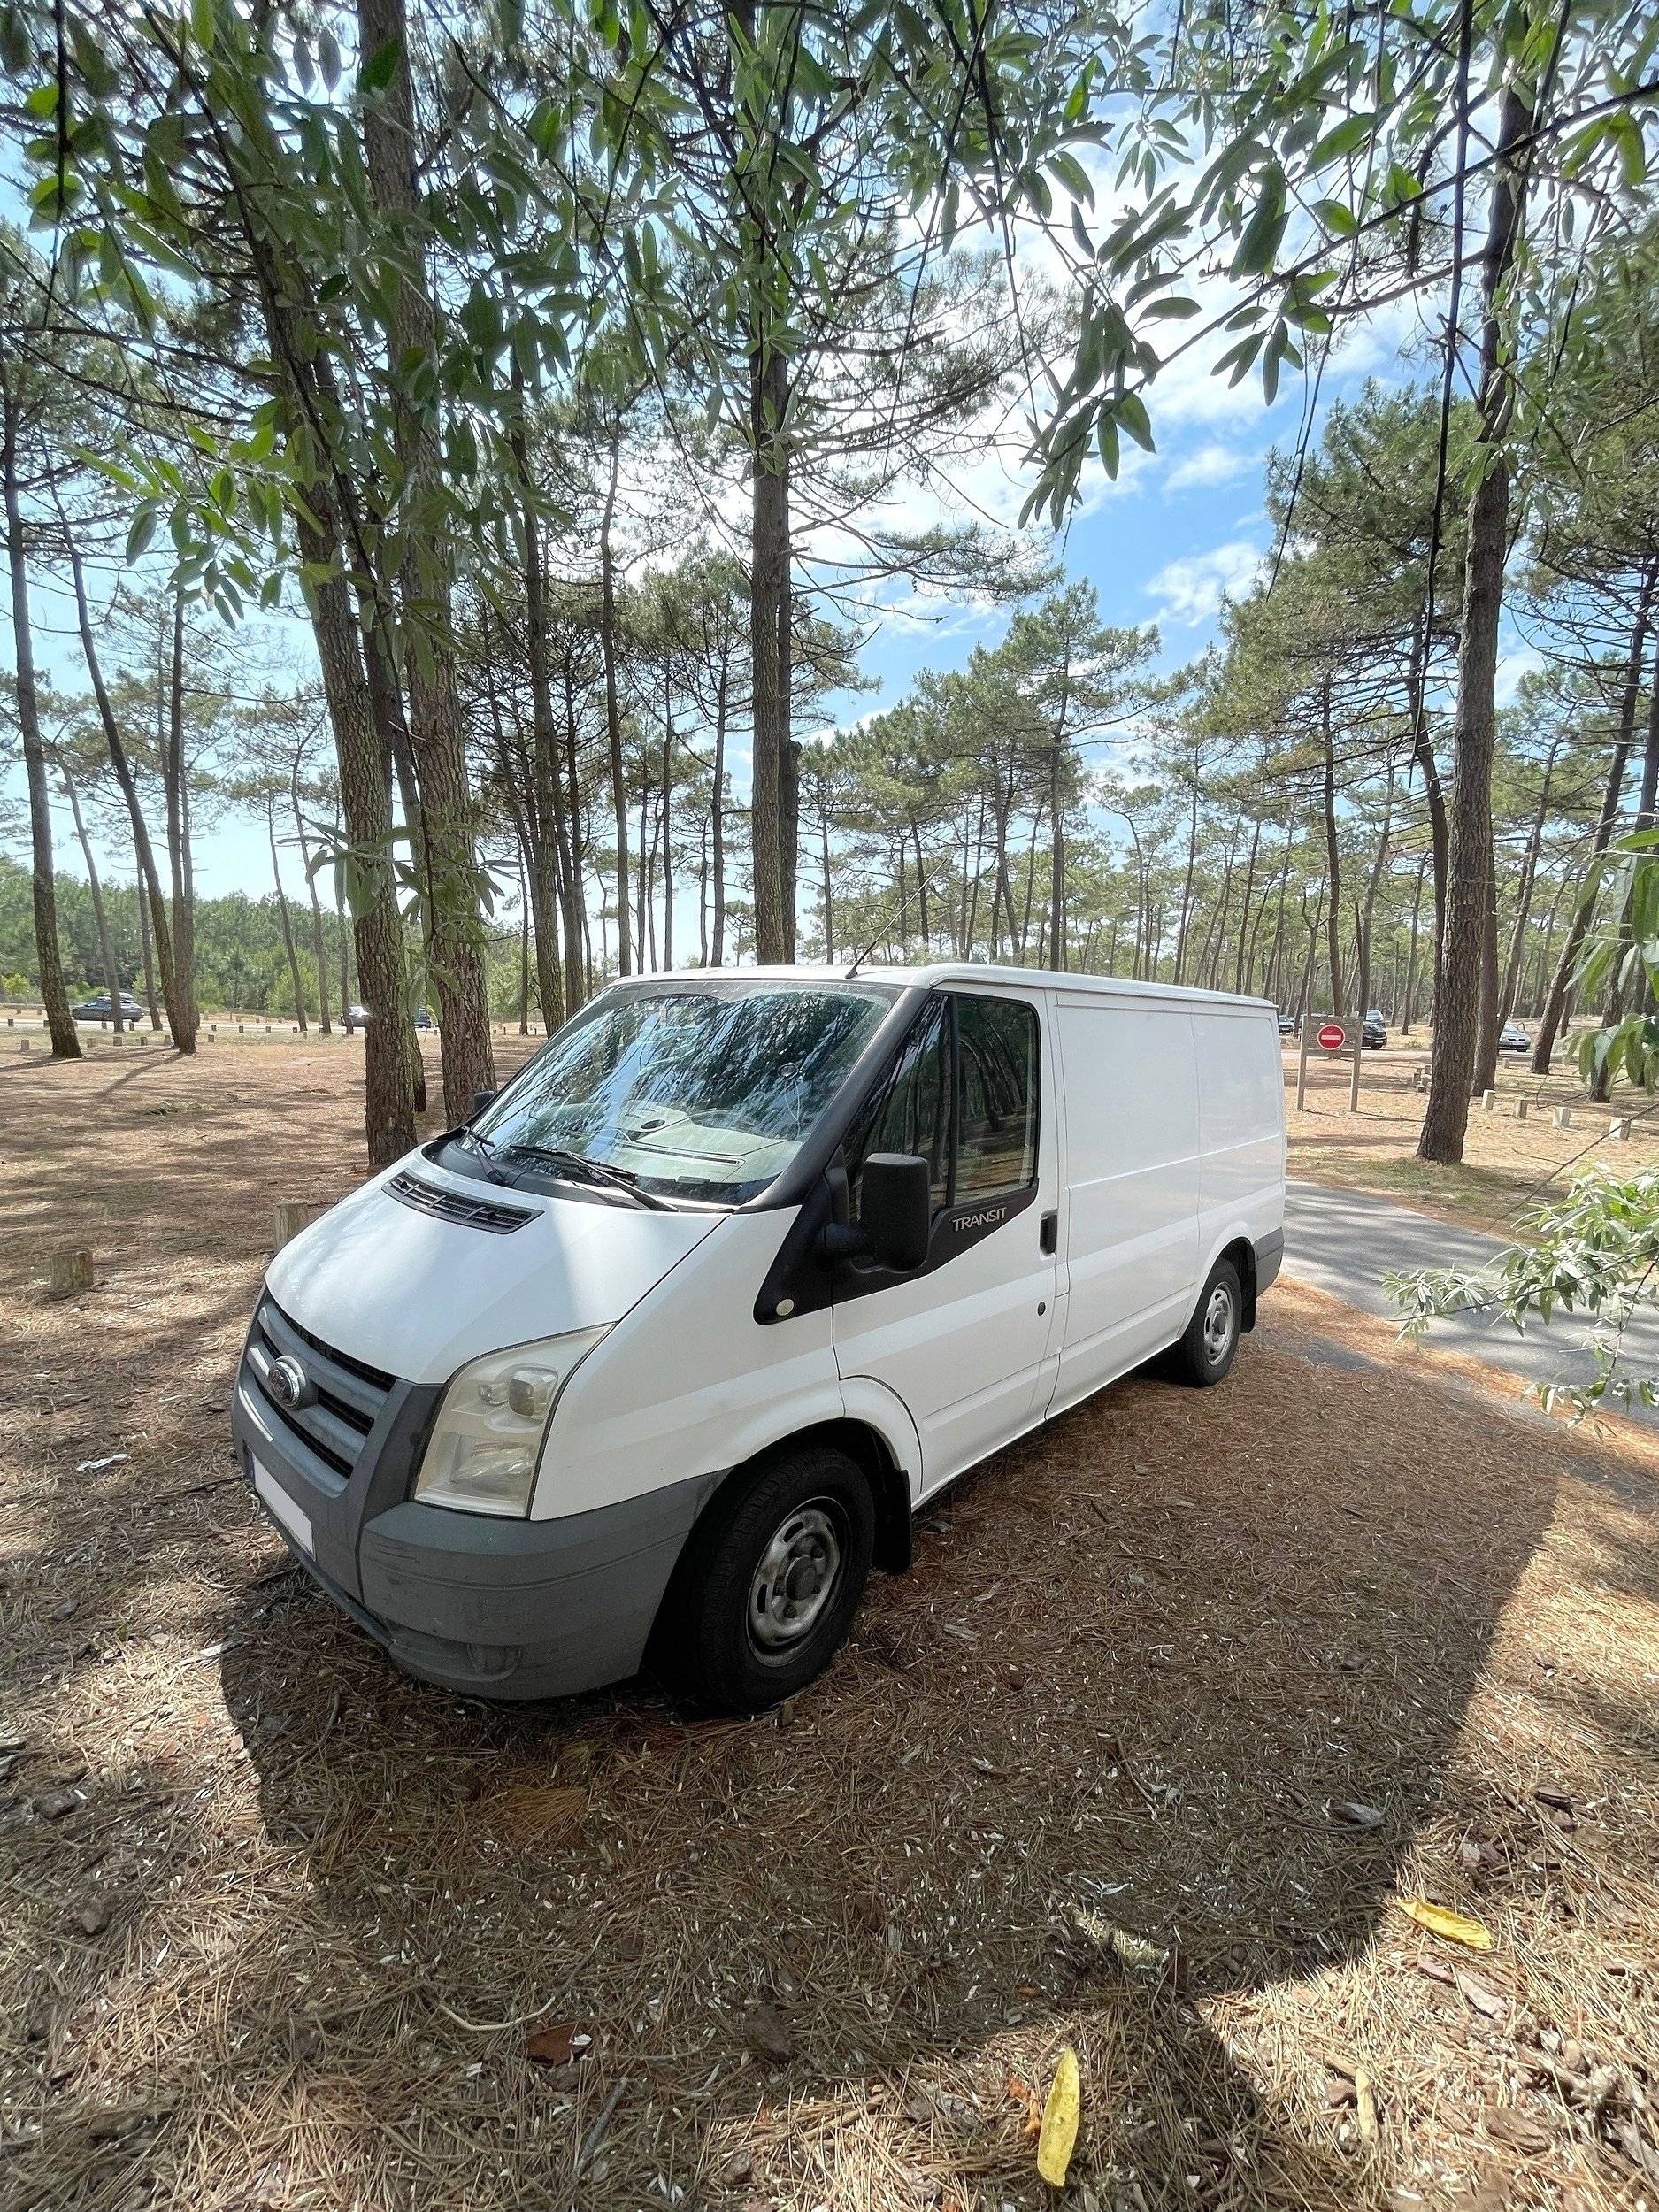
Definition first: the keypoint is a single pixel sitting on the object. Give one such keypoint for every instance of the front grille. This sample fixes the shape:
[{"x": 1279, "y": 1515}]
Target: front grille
[
  {"x": 350, "y": 1394},
  {"x": 472, "y": 1213}
]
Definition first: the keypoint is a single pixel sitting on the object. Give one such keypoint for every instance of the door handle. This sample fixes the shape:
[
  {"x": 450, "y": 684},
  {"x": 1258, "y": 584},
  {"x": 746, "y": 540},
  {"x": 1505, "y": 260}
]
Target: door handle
[{"x": 1049, "y": 1233}]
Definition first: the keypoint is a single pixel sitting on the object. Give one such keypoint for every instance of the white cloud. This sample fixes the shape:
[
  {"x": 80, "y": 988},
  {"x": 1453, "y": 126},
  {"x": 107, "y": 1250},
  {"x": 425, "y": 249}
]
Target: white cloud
[
  {"x": 1190, "y": 591},
  {"x": 1211, "y": 464},
  {"x": 1517, "y": 661}
]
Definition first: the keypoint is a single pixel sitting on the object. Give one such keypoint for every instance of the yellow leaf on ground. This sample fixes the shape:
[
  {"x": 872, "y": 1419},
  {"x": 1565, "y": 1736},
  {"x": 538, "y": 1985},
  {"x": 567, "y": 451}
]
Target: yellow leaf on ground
[
  {"x": 1058, "y": 2133},
  {"x": 1456, "y": 1927}
]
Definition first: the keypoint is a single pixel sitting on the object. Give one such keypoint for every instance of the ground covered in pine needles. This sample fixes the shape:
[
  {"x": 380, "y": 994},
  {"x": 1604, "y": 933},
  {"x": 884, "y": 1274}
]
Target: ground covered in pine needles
[{"x": 1182, "y": 1701}]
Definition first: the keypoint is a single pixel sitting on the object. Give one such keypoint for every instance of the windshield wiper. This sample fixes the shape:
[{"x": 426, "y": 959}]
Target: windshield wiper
[
  {"x": 579, "y": 1164},
  {"x": 485, "y": 1145}
]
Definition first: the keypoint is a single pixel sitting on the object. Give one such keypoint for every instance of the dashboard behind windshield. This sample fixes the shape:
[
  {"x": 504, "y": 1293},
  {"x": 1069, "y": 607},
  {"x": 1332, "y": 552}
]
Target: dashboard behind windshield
[{"x": 705, "y": 1092}]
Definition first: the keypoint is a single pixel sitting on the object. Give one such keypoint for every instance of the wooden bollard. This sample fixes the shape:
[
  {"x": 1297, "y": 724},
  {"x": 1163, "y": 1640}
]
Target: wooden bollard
[
  {"x": 23, "y": 1044},
  {"x": 1564, "y": 1116},
  {"x": 289, "y": 1216},
  {"x": 1488, "y": 1099},
  {"x": 1521, "y": 1108},
  {"x": 68, "y": 1273},
  {"x": 1618, "y": 1129}
]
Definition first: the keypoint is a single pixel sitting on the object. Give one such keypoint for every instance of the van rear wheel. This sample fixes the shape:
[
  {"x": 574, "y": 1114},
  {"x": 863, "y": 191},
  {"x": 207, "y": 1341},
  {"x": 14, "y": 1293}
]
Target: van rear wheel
[
  {"x": 1210, "y": 1344},
  {"x": 767, "y": 1587}
]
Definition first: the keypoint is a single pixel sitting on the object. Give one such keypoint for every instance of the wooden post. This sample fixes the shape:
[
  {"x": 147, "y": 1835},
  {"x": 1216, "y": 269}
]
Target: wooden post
[
  {"x": 1521, "y": 1108},
  {"x": 289, "y": 1216},
  {"x": 68, "y": 1273},
  {"x": 24, "y": 1046},
  {"x": 1301, "y": 1062},
  {"x": 1564, "y": 1116},
  {"x": 1353, "y": 1081},
  {"x": 1488, "y": 1100},
  {"x": 1618, "y": 1130}
]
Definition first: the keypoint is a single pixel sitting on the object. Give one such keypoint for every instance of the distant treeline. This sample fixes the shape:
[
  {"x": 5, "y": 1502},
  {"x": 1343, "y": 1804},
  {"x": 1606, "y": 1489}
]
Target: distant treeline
[{"x": 240, "y": 957}]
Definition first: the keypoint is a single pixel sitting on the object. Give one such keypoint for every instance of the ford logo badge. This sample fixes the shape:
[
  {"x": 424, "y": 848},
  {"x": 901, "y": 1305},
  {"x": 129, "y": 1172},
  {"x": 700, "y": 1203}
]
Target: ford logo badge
[{"x": 289, "y": 1385}]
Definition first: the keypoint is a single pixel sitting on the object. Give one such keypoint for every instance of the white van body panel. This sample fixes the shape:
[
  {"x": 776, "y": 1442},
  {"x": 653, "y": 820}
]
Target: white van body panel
[
  {"x": 693, "y": 1384},
  {"x": 419, "y": 1296},
  {"x": 1129, "y": 1223},
  {"x": 1240, "y": 1128}
]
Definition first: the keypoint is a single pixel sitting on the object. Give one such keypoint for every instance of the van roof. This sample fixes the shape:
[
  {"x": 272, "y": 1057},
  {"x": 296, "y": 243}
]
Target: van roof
[{"x": 946, "y": 971}]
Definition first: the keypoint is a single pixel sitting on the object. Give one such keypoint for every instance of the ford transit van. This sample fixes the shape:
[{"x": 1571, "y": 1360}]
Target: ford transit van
[{"x": 659, "y": 1355}]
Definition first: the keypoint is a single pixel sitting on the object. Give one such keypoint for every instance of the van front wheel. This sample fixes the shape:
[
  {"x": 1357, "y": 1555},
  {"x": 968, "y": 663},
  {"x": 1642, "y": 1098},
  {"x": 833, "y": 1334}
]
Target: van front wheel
[
  {"x": 1210, "y": 1344},
  {"x": 764, "y": 1593}
]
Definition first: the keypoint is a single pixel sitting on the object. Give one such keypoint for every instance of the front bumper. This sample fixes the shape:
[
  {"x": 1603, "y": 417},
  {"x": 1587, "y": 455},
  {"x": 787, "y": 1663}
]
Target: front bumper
[{"x": 496, "y": 1608}]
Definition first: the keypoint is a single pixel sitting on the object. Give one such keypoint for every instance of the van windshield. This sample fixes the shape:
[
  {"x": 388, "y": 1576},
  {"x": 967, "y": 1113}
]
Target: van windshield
[{"x": 705, "y": 1092}]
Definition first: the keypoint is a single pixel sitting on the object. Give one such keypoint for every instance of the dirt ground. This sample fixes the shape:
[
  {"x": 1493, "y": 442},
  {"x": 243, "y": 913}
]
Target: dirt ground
[
  {"x": 1509, "y": 1163},
  {"x": 1182, "y": 1698}
]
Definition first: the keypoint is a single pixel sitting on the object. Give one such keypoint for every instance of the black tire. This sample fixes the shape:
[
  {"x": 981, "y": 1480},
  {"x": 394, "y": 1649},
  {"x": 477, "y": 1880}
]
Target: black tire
[
  {"x": 733, "y": 1638},
  {"x": 1210, "y": 1344}
]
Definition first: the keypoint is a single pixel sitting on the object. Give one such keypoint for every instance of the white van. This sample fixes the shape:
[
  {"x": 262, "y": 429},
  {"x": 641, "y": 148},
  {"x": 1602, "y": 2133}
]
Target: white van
[{"x": 662, "y": 1352}]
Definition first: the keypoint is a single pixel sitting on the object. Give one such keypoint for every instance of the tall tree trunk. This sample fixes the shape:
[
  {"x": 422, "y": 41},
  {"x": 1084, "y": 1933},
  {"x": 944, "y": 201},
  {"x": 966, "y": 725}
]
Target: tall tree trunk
[
  {"x": 668, "y": 828},
  {"x": 716, "y": 824},
  {"x": 149, "y": 881},
  {"x": 1524, "y": 892},
  {"x": 559, "y": 990},
  {"x": 320, "y": 951},
  {"x": 365, "y": 801},
  {"x": 1186, "y": 884},
  {"x": 1332, "y": 858},
  {"x": 1247, "y": 942},
  {"x": 182, "y": 869},
  {"x": 284, "y": 915},
  {"x": 613, "y": 708},
  {"x": 437, "y": 731},
  {"x": 1458, "y": 1001},
  {"x": 1056, "y": 851},
  {"x": 1433, "y": 790},
  {"x": 769, "y": 593},
  {"x": 60, "y": 1023},
  {"x": 148, "y": 958},
  {"x": 1556, "y": 1002},
  {"x": 101, "y": 920},
  {"x": 1406, "y": 1009}
]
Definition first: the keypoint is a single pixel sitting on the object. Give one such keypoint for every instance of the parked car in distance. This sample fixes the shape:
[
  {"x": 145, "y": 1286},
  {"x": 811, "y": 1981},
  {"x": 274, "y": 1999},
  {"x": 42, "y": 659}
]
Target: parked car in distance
[
  {"x": 98, "y": 1009},
  {"x": 1287, "y": 1023},
  {"x": 357, "y": 1017},
  {"x": 1513, "y": 1038},
  {"x": 662, "y": 1351},
  {"x": 1373, "y": 1033}
]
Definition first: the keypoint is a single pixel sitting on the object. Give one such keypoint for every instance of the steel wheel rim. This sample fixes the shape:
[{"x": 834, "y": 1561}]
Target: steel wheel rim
[
  {"x": 797, "y": 1577},
  {"x": 1217, "y": 1324}
]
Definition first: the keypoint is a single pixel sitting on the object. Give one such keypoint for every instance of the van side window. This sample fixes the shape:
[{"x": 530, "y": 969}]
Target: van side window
[
  {"x": 996, "y": 1096},
  {"x": 915, "y": 1116}
]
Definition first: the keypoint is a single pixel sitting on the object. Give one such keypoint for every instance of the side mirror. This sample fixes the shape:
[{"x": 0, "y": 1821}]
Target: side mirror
[
  {"x": 895, "y": 1209},
  {"x": 480, "y": 1099}
]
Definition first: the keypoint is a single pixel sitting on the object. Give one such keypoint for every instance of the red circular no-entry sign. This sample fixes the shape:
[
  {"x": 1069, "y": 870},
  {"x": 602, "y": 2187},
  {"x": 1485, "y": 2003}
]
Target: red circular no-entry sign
[{"x": 1332, "y": 1036}]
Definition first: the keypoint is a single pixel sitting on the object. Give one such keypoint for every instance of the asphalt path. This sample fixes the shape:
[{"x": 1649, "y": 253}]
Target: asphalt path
[{"x": 1345, "y": 1241}]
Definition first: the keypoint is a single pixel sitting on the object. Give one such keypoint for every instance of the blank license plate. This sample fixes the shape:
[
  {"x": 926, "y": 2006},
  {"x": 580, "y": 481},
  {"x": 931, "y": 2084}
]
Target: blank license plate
[{"x": 282, "y": 1509}]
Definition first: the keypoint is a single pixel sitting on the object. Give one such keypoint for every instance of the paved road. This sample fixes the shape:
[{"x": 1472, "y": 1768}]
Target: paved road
[{"x": 1344, "y": 1241}]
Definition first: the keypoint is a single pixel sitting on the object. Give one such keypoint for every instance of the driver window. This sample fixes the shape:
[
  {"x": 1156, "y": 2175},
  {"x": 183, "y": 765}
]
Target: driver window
[{"x": 915, "y": 1116}]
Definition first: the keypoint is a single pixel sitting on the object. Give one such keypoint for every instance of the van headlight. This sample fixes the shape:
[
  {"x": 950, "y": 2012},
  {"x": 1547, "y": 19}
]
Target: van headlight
[{"x": 487, "y": 1440}]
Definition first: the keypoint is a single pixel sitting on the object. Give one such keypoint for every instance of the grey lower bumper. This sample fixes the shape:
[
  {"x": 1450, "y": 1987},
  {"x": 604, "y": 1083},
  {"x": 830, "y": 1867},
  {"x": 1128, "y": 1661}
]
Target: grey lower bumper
[
  {"x": 502, "y": 1608},
  {"x": 1270, "y": 1257}
]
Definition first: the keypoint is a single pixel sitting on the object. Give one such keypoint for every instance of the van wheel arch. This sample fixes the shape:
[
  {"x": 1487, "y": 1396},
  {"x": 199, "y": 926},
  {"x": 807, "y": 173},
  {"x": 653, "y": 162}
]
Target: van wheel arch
[{"x": 890, "y": 1486}]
